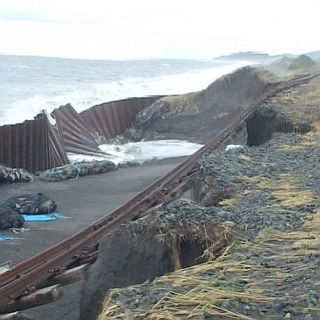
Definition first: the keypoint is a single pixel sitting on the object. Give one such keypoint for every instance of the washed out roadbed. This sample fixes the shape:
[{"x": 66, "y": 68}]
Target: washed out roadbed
[{"x": 271, "y": 270}]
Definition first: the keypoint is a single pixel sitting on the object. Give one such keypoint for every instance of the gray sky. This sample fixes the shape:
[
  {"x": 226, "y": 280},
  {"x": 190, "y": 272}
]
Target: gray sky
[{"x": 138, "y": 29}]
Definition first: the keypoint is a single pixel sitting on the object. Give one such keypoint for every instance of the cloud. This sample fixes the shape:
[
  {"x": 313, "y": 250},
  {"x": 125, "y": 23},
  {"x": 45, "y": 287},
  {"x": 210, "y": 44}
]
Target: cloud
[
  {"x": 127, "y": 29},
  {"x": 22, "y": 16}
]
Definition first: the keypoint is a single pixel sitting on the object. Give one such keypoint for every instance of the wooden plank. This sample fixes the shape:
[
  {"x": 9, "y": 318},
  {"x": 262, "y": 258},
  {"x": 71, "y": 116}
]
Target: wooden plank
[
  {"x": 35, "y": 299},
  {"x": 68, "y": 277}
]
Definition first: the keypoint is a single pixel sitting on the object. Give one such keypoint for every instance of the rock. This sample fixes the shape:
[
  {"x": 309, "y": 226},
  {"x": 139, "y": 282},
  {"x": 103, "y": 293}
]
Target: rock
[
  {"x": 10, "y": 218},
  {"x": 37, "y": 203},
  {"x": 128, "y": 164}
]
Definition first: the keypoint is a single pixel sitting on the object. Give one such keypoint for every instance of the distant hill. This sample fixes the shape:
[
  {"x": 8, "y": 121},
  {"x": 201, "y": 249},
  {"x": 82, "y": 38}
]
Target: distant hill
[
  {"x": 248, "y": 55},
  {"x": 315, "y": 55},
  {"x": 258, "y": 57},
  {"x": 280, "y": 65},
  {"x": 302, "y": 62}
]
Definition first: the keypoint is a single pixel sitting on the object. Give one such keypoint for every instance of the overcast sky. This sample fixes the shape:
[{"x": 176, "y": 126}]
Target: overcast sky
[{"x": 138, "y": 29}]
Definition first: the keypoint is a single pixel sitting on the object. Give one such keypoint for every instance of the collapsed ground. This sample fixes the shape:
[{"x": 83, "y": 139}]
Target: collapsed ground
[
  {"x": 264, "y": 202},
  {"x": 239, "y": 195}
]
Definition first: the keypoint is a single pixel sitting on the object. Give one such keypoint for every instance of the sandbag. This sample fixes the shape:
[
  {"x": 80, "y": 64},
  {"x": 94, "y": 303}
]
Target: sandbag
[
  {"x": 76, "y": 170},
  {"x": 10, "y": 218},
  {"x": 10, "y": 175},
  {"x": 36, "y": 203}
]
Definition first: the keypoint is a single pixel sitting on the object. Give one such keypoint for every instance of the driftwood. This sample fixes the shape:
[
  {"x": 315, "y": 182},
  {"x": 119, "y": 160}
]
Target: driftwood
[
  {"x": 68, "y": 277},
  {"x": 35, "y": 299},
  {"x": 51, "y": 290}
]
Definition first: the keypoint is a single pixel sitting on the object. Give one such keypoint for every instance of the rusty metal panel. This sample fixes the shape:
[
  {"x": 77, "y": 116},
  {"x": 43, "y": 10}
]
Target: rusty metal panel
[
  {"x": 74, "y": 133},
  {"x": 36, "y": 145},
  {"x": 31, "y": 145},
  {"x": 56, "y": 153},
  {"x": 112, "y": 118}
]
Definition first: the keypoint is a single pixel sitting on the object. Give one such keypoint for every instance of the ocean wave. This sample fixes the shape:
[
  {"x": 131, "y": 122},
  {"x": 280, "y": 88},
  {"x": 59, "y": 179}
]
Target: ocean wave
[
  {"x": 21, "y": 67},
  {"x": 84, "y": 95}
]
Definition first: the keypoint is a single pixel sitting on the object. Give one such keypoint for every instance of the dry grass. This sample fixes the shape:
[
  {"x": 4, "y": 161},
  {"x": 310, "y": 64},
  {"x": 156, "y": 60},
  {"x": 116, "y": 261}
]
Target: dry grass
[
  {"x": 245, "y": 158},
  {"x": 269, "y": 77},
  {"x": 309, "y": 96},
  {"x": 201, "y": 294},
  {"x": 228, "y": 202},
  {"x": 212, "y": 238},
  {"x": 309, "y": 140},
  {"x": 211, "y": 288},
  {"x": 302, "y": 102},
  {"x": 248, "y": 180},
  {"x": 286, "y": 189},
  {"x": 184, "y": 102}
]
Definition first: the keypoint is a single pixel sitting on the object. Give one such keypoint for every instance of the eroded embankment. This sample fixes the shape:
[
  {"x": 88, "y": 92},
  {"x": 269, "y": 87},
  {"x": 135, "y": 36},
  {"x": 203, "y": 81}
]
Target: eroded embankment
[
  {"x": 139, "y": 251},
  {"x": 199, "y": 116},
  {"x": 271, "y": 269}
]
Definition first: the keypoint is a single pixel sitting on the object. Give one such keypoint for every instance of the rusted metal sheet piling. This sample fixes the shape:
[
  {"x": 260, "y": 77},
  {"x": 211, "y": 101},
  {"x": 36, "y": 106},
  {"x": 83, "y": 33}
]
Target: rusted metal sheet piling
[
  {"x": 109, "y": 119},
  {"x": 37, "y": 145},
  {"x": 32, "y": 145}
]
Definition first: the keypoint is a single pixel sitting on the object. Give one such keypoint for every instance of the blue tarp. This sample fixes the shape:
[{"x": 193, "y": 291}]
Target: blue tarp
[
  {"x": 43, "y": 217},
  {"x": 4, "y": 238}
]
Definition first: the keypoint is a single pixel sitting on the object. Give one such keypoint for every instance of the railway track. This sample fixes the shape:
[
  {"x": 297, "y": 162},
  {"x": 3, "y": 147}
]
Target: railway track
[{"x": 42, "y": 269}]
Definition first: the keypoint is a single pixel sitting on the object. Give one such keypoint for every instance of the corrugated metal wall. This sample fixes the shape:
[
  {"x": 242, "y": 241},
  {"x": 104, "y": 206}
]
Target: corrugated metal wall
[
  {"x": 37, "y": 145},
  {"x": 113, "y": 118},
  {"x": 74, "y": 133},
  {"x": 31, "y": 145}
]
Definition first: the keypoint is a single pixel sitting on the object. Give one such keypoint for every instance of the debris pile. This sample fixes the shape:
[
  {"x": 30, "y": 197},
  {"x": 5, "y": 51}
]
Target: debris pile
[
  {"x": 76, "y": 170},
  {"x": 11, "y": 209},
  {"x": 10, "y": 175}
]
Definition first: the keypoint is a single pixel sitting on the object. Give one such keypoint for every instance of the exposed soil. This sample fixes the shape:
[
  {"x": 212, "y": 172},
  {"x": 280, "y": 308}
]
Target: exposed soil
[
  {"x": 271, "y": 269},
  {"x": 144, "y": 249},
  {"x": 200, "y": 116}
]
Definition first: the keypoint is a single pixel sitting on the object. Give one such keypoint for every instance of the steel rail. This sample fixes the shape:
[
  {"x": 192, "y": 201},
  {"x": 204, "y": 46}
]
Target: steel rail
[{"x": 29, "y": 274}]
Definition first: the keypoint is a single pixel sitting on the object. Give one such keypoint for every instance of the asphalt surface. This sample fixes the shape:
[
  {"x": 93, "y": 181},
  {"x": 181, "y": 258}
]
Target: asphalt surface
[{"x": 84, "y": 201}]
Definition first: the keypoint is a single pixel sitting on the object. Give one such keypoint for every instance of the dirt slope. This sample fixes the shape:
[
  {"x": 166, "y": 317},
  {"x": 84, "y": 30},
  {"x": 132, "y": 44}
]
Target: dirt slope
[{"x": 199, "y": 116}]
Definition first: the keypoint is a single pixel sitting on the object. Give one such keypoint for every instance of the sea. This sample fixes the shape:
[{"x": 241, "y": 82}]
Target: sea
[{"x": 30, "y": 84}]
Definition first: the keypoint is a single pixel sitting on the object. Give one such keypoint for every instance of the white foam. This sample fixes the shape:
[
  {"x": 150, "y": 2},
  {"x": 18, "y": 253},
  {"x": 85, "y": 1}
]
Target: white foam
[
  {"x": 141, "y": 151},
  {"x": 22, "y": 67}
]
